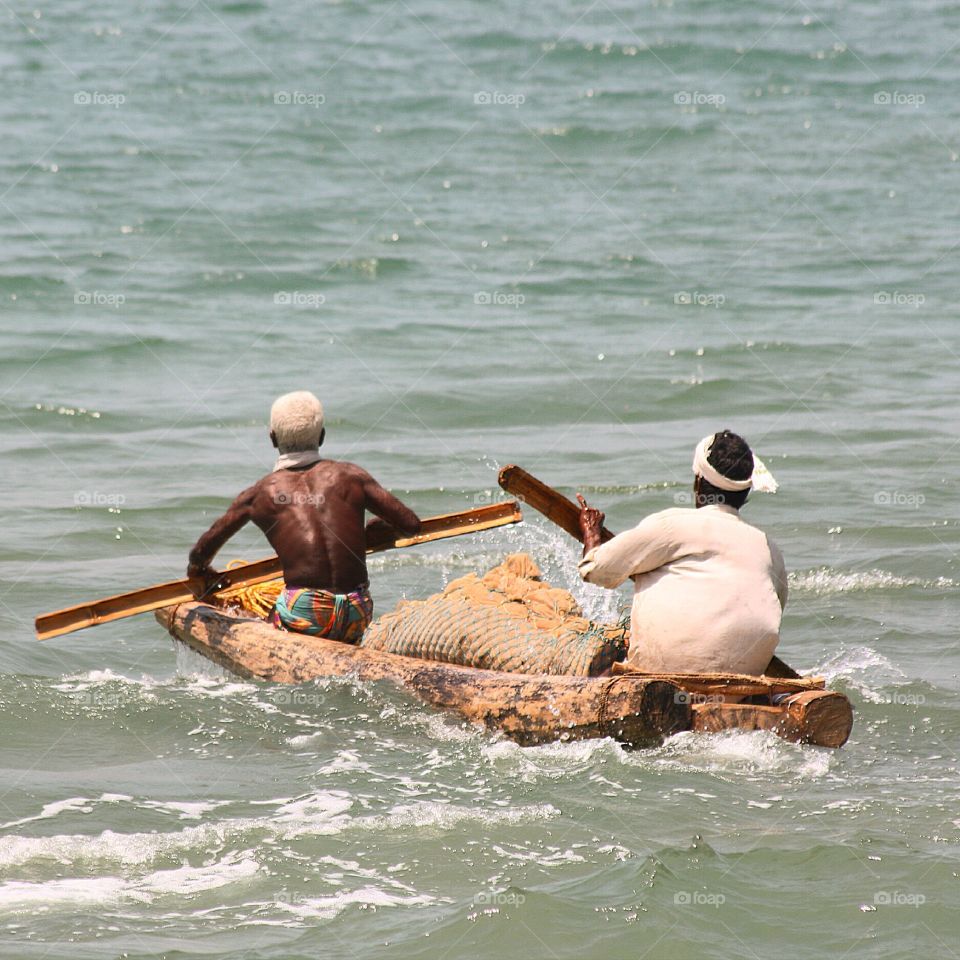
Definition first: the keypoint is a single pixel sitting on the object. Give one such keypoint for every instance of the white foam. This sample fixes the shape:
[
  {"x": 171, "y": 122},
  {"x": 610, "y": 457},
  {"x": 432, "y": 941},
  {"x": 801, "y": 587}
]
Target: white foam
[
  {"x": 325, "y": 908},
  {"x": 825, "y": 581},
  {"x": 17, "y": 895},
  {"x": 549, "y": 760},
  {"x": 864, "y": 669},
  {"x": 187, "y": 879},
  {"x": 316, "y": 814},
  {"x": 186, "y": 811},
  {"x": 737, "y": 753},
  {"x": 71, "y": 804}
]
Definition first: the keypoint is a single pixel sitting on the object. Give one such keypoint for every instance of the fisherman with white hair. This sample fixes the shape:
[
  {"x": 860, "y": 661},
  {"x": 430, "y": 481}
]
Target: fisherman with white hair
[
  {"x": 312, "y": 511},
  {"x": 709, "y": 588}
]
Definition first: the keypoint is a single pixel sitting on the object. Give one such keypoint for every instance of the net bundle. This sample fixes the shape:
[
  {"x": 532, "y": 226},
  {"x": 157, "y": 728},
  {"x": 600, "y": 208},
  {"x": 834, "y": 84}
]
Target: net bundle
[{"x": 507, "y": 620}]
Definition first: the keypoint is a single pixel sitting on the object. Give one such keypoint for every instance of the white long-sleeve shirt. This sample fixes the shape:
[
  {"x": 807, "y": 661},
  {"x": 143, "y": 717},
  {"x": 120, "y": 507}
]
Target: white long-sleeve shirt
[{"x": 709, "y": 590}]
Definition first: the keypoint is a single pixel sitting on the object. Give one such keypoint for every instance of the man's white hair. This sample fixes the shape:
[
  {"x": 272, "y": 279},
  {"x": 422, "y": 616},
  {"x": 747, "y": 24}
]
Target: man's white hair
[{"x": 296, "y": 420}]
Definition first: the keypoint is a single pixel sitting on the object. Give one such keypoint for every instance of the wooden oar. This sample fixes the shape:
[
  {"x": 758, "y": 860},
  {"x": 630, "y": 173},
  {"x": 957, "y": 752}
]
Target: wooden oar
[
  {"x": 566, "y": 515},
  {"x": 180, "y": 591}
]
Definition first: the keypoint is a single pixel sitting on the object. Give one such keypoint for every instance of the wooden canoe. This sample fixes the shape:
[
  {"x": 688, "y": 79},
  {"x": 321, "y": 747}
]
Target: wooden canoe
[{"x": 634, "y": 709}]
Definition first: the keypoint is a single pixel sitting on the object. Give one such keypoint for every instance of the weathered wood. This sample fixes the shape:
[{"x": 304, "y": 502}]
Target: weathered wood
[
  {"x": 732, "y": 685},
  {"x": 528, "y": 709},
  {"x": 180, "y": 591},
  {"x": 820, "y": 717},
  {"x": 777, "y": 668}
]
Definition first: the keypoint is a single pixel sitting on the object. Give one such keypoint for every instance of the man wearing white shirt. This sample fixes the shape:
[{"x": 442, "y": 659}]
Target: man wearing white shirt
[{"x": 709, "y": 588}]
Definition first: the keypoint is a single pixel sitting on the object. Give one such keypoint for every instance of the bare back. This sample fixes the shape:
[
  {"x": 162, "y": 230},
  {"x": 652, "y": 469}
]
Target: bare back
[{"x": 313, "y": 517}]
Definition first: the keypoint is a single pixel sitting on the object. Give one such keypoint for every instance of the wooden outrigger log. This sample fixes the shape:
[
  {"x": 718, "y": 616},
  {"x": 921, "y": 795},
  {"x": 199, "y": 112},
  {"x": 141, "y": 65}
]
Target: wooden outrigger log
[
  {"x": 526, "y": 708},
  {"x": 635, "y": 709}
]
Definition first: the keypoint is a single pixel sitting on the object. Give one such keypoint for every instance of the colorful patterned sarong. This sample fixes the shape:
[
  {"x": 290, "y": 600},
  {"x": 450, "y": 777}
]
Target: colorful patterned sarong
[{"x": 319, "y": 613}]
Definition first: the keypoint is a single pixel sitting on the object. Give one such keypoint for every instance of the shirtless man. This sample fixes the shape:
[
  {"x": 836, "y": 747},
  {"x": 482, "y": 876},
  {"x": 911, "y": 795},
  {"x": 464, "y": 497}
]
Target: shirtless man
[{"x": 312, "y": 512}]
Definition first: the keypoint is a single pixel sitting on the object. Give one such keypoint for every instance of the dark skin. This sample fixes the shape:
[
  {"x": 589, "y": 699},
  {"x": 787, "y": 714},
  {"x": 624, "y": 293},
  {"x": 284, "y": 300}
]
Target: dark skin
[
  {"x": 313, "y": 517},
  {"x": 591, "y": 519}
]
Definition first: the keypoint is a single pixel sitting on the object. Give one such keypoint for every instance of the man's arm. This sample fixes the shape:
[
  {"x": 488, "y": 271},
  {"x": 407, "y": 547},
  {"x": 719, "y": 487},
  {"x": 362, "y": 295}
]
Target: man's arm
[
  {"x": 388, "y": 508},
  {"x": 205, "y": 549},
  {"x": 646, "y": 547}
]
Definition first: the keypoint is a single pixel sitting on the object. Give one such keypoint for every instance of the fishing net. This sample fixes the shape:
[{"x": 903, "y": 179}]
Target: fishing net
[{"x": 506, "y": 620}]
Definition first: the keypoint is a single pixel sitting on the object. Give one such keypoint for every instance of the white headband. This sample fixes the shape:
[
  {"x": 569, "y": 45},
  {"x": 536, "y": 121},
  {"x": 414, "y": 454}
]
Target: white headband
[{"x": 762, "y": 480}]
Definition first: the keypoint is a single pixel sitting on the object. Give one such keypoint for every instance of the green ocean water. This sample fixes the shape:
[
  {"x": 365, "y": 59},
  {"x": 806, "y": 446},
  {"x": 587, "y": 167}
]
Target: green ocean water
[{"x": 576, "y": 236}]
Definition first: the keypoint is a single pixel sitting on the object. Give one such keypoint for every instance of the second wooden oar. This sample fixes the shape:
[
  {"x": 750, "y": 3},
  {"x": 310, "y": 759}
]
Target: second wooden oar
[
  {"x": 180, "y": 591},
  {"x": 566, "y": 514}
]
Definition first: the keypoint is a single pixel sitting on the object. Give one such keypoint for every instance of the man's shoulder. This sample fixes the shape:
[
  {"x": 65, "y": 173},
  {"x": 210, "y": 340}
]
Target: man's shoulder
[
  {"x": 660, "y": 520},
  {"x": 670, "y": 515}
]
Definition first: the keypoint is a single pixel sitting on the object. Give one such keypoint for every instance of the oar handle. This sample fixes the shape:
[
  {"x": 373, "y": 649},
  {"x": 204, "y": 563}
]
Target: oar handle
[{"x": 551, "y": 503}]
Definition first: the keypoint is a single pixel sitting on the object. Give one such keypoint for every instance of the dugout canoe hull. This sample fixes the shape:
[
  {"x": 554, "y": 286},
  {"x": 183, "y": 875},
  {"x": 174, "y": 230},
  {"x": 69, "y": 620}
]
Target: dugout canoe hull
[{"x": 528, "y": 709}]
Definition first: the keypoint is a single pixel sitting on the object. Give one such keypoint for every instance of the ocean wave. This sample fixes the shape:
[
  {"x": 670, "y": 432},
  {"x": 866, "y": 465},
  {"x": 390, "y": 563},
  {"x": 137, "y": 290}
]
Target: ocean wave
[
  {"x": 18, "y": 895},
  {"x": 738, "y": 754},
  {"x": 318, "y": 814},
  {"x": 863, "y": 669},
  {"x": 824, "y": 581}
]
